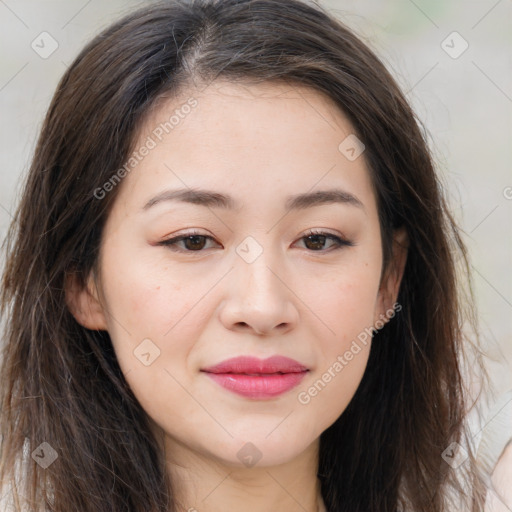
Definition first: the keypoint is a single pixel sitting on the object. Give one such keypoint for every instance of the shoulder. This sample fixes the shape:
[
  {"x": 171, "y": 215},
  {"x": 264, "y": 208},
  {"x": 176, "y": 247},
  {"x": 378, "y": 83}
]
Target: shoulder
[
  {"x": 499, "y": 494},
  {"x": 490, "y": 428}
]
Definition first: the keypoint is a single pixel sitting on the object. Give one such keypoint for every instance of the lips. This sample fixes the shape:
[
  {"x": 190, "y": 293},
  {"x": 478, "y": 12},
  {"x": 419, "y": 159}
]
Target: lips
[
  {"x": 257, "y": 378},
  {"x": 252, "y": 365}
]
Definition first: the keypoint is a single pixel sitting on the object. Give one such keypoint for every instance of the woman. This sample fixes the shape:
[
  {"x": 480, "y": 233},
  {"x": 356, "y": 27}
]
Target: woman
[{"x": 231, "y": 281}]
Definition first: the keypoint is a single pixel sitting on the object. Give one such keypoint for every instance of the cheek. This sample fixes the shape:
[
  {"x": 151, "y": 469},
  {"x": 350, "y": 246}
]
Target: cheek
[
  {"x": 348, "y": 304},
  {"x": 344, "y": 353},
  {"x": 348, "y": 311},
  {"x": 153, "y": 328},
  {"x": 143, "y": 293},
  {"x": 145, "y": 303},
  {"x": 161, "y": 313}
]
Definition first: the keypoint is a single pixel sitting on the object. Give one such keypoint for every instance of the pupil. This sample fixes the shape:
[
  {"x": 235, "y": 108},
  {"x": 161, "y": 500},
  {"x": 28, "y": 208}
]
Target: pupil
[
  {"x": 193, "y": 242},
  {"x": 322, "y": 240},
  {"x": 194, "y": 239}
]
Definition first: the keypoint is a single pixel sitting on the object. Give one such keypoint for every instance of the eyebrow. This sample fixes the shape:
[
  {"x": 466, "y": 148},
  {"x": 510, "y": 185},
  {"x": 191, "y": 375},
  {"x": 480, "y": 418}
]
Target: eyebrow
[{"x": 212, "y": 199}]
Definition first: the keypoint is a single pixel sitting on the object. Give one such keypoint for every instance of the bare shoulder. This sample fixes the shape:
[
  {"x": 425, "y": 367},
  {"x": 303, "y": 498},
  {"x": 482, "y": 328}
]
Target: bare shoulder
[{"x": 499, "y": 498}]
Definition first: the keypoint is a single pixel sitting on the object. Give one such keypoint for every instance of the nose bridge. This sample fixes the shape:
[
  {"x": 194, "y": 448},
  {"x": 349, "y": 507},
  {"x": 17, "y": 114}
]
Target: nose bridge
[
  {"x": 258, "y": 298},
  {"x": 256, "y": 266}
]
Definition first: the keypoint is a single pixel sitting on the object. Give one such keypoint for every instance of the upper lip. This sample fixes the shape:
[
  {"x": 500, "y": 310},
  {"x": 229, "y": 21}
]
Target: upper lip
[{"x": 253, "y": 365}]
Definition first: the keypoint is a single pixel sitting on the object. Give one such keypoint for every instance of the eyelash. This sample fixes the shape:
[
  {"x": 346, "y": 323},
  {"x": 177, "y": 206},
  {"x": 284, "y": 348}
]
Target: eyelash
[{"x": 171, "y": 243}]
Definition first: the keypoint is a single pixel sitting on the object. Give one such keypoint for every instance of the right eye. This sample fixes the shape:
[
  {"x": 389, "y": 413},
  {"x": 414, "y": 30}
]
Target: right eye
[{"x": 193, "y": 242}]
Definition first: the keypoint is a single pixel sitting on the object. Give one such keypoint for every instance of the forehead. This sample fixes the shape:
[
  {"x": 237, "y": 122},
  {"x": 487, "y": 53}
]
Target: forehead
[{"x": 269, "y": 137}]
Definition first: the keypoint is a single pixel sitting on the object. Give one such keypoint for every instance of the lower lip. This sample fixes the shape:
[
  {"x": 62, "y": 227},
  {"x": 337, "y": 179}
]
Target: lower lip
[{"x": 264, "y": 386}]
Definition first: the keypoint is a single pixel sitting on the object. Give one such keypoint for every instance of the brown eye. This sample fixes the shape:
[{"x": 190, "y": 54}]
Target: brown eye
[
  {"x": 196, "y": 242},
  {"x": 192, "y": 242},
  {"x": 315, "y": 241}
]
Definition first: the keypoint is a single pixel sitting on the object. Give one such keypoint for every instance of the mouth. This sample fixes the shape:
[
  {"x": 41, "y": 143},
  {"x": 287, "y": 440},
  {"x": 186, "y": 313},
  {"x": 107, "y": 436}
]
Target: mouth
[{"x": 255, "y": 378}]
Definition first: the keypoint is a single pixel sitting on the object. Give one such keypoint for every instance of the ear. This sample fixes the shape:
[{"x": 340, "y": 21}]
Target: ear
[
  {"x": 390, "y": 282},
  {"x": 83, "y": 302}
]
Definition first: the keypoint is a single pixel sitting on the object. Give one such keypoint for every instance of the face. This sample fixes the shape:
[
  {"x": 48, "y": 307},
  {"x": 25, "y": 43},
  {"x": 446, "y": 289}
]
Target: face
[{"x": 186, "y": 283}]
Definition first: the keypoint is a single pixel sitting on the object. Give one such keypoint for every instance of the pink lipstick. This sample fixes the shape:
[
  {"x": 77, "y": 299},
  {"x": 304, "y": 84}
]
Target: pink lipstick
[{"x": 257, "y": 378}]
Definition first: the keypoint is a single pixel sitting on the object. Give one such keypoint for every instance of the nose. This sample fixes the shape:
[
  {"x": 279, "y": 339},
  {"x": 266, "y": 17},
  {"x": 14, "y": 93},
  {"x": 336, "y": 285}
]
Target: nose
[{"x": 260, "y": 297}]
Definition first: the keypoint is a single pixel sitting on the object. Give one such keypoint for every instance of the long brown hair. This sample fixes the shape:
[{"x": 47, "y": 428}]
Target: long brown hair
[{"x": 61, "y": 383}]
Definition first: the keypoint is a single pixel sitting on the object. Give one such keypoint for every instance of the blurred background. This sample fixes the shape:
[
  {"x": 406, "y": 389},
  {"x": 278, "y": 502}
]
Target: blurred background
[{"x": 452, "y": 58}]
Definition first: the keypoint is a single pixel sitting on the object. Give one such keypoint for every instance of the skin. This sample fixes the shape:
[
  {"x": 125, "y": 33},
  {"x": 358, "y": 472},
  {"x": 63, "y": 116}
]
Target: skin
[
  {"x": 307, "y": 301},
  {"x": 499, "y": 497}
]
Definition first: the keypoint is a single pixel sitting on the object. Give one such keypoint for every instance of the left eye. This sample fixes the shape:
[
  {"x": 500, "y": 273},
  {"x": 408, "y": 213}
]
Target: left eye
[
  {"x": 195, "y": 242},
  {"x": 318, "y": 238}
]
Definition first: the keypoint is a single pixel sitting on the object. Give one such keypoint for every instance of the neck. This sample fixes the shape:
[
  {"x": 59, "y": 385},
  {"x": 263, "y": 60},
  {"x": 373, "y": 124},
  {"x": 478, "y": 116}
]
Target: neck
[{"x": 203, "y": 484}]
